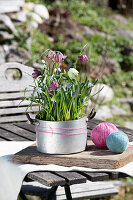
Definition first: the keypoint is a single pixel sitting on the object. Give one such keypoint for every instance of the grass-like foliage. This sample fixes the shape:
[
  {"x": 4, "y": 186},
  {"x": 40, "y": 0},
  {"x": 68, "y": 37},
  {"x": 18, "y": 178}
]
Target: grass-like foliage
[{"x": 60, "y": 94}]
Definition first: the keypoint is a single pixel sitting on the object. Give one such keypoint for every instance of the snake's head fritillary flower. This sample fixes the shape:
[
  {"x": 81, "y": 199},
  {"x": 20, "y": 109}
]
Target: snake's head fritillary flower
[
  {"x": 73, "y": 73},
  {"x": 51, "y": 55},
  {"x": 36, "y": 73},
  {"x": 59, "y": 57},
  {"x": 83, "y": 58},
  {"x": 53, "y": 86}
]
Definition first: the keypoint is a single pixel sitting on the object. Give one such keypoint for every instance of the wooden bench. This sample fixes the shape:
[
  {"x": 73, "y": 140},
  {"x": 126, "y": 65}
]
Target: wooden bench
[
  {"x": 11, "y": 93},
  {"x": 78, "y": 191}
]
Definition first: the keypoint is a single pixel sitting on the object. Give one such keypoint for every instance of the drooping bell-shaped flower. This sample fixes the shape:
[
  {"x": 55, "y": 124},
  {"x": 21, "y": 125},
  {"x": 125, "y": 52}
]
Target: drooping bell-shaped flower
[
  {"x": 73, "y": 73},
  {"x": 36, "y": 73},
  {"x": 83, "y": 58},
  {"x": 51, "y": 55},
  {"x": 59, "y": 57},
  {"x": 53, "y": 86}
]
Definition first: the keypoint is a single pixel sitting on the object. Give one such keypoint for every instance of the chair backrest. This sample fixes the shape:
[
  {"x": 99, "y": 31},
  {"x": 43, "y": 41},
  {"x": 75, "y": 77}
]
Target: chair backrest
[{"x": 12, "y": 92}]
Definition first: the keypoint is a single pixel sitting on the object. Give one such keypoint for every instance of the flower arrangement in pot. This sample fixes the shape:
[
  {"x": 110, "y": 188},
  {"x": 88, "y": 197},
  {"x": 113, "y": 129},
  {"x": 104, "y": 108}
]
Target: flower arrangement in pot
[{"x": 61, "y": 126}]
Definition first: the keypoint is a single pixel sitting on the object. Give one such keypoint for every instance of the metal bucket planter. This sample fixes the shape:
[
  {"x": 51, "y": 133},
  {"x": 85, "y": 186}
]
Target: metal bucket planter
[{"x": 63, "y": 137}]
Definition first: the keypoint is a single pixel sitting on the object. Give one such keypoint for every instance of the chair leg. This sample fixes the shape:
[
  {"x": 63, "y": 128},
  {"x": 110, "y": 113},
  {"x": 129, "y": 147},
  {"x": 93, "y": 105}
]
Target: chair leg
[
  {"x": 51, "y": 193},
  {"x": 22, "y": 196},
  {"x": 68, "y": 192}
]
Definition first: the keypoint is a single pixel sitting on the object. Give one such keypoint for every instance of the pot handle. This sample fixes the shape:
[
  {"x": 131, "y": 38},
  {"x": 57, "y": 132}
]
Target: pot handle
[
  {"x": 32, "y": 121},
  {"x": 92, "y": 114}
]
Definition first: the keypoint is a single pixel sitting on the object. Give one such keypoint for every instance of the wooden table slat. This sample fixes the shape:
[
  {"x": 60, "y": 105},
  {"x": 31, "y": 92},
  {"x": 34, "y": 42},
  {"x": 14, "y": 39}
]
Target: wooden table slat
[
  {"x": 18, "y": 132},
  {"x": 130, "y": 138},
  {"x": 47, "y": 178},
  {"x": 72, "y": 177},
  {"x": 95, "y": 176},
  {"x": 122, "y": 175},
  {"x": 93, "y": 122},
  {"x": 3, "y": 139},
  {"x": 10, "y": 136},
  {"x": 26, "y": 126},
  {"x": 126, "y": 130}
]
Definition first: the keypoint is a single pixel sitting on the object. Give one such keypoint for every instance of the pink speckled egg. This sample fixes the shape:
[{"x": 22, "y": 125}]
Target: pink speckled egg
[{"x": 100, "y": 133}]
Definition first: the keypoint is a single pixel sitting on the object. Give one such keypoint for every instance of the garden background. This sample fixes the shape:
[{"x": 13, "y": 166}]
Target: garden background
[{"x": 67, "y": 26}]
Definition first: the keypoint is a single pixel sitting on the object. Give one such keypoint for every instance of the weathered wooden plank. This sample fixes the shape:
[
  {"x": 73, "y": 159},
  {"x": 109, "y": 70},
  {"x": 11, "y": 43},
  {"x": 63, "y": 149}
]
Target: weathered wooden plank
[
  {"x": 3, "y": 139},
  {"x": 87, "y": 187},
  {"x": 26, "y": 126},
  {"x": 14, "y": 103},
  {"x": 10, "y": 136},
  {"x": 47, "y": 178},
  {"x": 93, "y": 122},
  {"x": 126, "y": 130},
  {"x": 91, "y": 158},
  {"x": 78, "y": 189},
  {"x": 130, "y": 138},
  {"x": 8, "y": 111},
  {"x": 92, "y": 194},
  {"x": 12, "y": 3},
  {"x": 94, "y": 176},
  {"x": 16, "y": 85},
  {"x": 72, "y": 177},
  {"x": 14, "y": 95},
  {"x": 88, "y": 133},
  {"x": 35, "y": 189},
  {"x": 16, "y": 118},
  {"x": 122, "y": 175},
  {"x": 113, "y": 175},
  {"x": 18, "y": 131},
  {"x": 7, "y": 9}
]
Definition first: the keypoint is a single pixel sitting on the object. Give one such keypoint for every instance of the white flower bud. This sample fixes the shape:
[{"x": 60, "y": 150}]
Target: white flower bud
[{"x": 73, "y": 73}]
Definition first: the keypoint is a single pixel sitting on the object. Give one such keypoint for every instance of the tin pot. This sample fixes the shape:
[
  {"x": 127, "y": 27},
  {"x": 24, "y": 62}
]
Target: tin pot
[{"x": 62, "y": 137}]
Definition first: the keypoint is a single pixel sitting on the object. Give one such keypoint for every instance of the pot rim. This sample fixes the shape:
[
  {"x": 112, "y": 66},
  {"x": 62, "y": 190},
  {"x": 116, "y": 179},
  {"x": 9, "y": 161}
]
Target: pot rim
[{"x": 85, "y": 117}]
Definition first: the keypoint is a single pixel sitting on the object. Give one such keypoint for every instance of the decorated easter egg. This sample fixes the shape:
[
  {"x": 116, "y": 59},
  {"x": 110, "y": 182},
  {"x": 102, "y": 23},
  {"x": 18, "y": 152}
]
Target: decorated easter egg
[
  {"x": 100, "y": 133},
  {"x": 117, "y": 142}
]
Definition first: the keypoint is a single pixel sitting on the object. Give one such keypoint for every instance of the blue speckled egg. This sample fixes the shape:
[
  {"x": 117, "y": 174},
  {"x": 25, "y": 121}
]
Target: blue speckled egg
[{"x": 117, "y": 142}]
